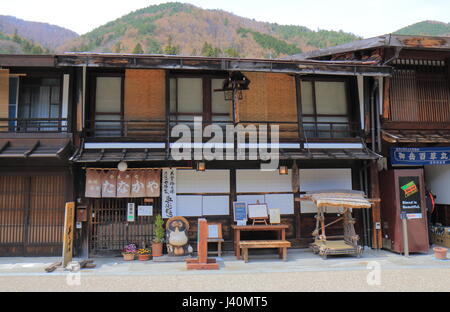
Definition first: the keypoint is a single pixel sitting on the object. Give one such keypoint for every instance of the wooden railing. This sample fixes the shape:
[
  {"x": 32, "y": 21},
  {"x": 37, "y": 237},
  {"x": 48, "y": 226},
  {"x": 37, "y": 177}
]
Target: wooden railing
[
  {"x": 34, "y": 125},
  {"x": 160, "y": 130}
]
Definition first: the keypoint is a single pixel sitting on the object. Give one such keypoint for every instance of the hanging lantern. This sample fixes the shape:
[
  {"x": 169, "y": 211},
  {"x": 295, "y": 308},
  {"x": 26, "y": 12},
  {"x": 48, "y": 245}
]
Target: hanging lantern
[
  {"x": 284, "y": 170},
  {"x": 201, "y": 166},
  {"x": 234, "y": 85},
  {"x": 122, "y": 166}
]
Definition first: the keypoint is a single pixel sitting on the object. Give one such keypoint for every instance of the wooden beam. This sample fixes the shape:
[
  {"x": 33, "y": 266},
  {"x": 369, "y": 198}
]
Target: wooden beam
[
  {"x": 4, "y": 146},
  {"x": 31, "y": 150}
]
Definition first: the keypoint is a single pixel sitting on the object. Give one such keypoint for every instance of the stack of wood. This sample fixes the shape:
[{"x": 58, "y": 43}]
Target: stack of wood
[{"x": 73, "y": 266}]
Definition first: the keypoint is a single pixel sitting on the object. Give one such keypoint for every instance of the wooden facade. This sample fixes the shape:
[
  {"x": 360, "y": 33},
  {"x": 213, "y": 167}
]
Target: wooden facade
[
  {"x": 32, "y": 213},
  {"x": 419, "y": 92},
  {"x": 414, "y": 103},
  {"x": 141, "y": 113}
]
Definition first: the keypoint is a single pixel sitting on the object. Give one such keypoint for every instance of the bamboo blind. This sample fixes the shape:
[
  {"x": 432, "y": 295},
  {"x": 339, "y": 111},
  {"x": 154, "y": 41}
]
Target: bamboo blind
[
  {"x": 271, "y": 97},
  {"x": 145, "y": 96},
  {"x": 4, "y": 97}
]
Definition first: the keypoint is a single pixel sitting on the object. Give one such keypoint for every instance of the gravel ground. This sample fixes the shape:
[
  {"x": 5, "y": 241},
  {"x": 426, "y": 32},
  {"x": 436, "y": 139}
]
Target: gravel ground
[{"x": 377, "y": 271}]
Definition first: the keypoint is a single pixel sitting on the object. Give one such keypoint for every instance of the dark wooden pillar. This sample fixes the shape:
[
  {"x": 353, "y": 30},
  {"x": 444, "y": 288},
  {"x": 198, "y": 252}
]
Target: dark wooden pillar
[{"x": 376, "y": 208}]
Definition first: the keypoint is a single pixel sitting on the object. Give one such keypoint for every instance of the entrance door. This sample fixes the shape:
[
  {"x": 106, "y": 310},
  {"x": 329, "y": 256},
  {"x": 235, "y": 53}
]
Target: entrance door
[
  {"x": 32, "y": 215},
  {"x": 110, "y": 231}
]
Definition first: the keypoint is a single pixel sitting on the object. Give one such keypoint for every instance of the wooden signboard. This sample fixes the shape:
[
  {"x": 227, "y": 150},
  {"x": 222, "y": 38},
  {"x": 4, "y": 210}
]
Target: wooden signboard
[{"x": 69, "y": 221}]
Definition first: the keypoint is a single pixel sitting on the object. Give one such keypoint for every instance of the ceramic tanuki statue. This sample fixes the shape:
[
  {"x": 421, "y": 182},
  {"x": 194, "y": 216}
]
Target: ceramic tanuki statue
[{"x": 177, "y": 237}]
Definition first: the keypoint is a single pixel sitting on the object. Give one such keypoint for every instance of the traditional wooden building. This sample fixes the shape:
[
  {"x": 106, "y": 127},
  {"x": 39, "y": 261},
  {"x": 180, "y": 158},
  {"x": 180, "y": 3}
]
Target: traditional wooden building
[
  {"x": 35, "y": 146},
  {"x": 412, "y": 122},
  {"x": 118, "y": 119}
]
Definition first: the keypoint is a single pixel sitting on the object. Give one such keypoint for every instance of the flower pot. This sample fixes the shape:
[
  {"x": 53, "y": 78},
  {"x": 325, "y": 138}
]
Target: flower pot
[
  {"x": 144, "y": 257},
  {"x": 128, "y": 257},
  {"x": 440, "y": 253},
  {"x": 157, "y": 249}
]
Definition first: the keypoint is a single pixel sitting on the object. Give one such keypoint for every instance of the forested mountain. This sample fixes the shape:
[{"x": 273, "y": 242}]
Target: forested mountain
[
  {"x": 42, "y": 34},
  {"x": 177, "y": 28},
  {"x": 15, "y": 44},
  {"x": 426, "y": 28}
]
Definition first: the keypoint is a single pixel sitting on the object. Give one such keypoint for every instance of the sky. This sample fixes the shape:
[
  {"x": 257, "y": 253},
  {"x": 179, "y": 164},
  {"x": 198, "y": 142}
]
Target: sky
[{"x": 363, "y": 18}]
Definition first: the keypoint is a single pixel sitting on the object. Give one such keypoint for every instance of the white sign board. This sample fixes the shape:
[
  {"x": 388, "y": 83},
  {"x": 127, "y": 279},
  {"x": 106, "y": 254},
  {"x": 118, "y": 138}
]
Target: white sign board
[
  {"x": 213, "y": 231},
  {"x": 169, "y": 193},
  {"x": 145, "y": 211},
  {"x": 275, "y": 216},
  {"x": 257, "y": 211}
]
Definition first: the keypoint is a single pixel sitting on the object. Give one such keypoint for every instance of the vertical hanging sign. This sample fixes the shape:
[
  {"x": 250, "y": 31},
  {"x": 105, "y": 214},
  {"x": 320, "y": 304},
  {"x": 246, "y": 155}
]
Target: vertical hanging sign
[
  {"x": 169, "y": 193},
  {"x": 69, "y": 219}
]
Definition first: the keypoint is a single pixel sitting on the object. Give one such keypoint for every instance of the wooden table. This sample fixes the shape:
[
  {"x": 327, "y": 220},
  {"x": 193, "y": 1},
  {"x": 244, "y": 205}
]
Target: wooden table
[{"x": 280, "y": 229}]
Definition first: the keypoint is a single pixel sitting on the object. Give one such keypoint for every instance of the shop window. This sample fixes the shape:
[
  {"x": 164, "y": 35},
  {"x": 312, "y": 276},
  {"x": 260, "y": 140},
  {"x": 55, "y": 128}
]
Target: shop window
[
  {"x": 108, "y": 106},
  {"x": 203, "y": 193},
  {"x": 198, "y": 96},
  {"x": 267, "y": 187},
  {"x": 325, "y": 108},
  {"x": 40, "y": 101},
  {"x": 13, "y": 101}
]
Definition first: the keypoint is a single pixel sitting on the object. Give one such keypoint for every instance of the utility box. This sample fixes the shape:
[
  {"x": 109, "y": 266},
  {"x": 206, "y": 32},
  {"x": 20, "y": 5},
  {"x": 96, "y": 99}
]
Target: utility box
[{"x": 403, "y": 197}]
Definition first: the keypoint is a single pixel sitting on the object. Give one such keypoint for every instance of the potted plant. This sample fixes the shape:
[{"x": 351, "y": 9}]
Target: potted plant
[
  {"x": 143, "y": 254},
  {"x": 129, "y": 252},
  {"x": 157, "y": 245}
]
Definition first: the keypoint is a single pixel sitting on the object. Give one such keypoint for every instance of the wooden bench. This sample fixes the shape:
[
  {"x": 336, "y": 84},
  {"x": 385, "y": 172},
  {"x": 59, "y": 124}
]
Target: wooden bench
[{"x": 282, "y": 246}]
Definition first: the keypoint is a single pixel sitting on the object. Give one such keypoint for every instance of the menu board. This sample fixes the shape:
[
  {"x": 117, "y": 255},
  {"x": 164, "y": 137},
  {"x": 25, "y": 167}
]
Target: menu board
[{"x": 410, "y": 197}]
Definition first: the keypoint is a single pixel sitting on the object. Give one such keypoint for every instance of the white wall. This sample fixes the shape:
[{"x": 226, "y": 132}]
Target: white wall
[
  {"x": 209, "y": 181},
  {"x": 248, "y": 181},
  {"x": 323, "y": 180},
  {"x": 257, "y": 181},
  {"x": 437, "y": 178}
]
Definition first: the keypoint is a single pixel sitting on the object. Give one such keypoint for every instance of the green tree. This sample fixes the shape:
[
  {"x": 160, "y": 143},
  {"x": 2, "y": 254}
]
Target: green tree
[
  {"x": 138, "y": 49},
  {"x": 171, "y": 49},
  {"x": 209, "y": 51},
  {"x": 118, "y": 47}
]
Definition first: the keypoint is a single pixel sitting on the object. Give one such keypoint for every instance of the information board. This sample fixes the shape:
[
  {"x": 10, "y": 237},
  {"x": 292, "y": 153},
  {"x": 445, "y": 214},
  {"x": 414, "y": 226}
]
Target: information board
[{"x": 240, "y": 211}]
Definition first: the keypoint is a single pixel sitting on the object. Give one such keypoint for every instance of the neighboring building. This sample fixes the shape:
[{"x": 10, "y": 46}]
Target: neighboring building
[
  {"x": 68, "y": 121},
  {"x": 413, "y": 116},
  {"x": 35, "y": 146}
]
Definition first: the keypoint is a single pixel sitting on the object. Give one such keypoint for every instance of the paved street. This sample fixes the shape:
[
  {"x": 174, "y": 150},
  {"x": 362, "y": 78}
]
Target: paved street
[{"x": 302, "y": 272}]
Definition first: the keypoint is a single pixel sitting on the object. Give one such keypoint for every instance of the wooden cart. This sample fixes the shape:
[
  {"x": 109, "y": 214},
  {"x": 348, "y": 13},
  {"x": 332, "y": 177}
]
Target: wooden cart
[{"x": 348, "y": 244}]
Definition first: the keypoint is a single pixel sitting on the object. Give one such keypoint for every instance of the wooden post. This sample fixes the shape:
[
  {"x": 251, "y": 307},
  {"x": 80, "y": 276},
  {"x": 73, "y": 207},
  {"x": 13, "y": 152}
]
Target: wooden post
[
  {"x": 202, "y": 262},
  {"x": 376, "y": 208},
  {"x": 405, "y": 236}
]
